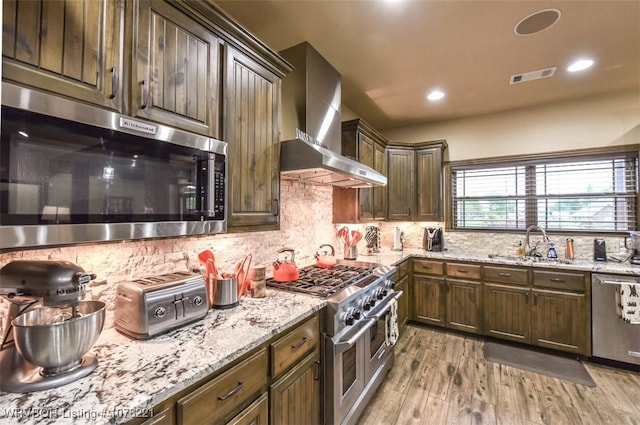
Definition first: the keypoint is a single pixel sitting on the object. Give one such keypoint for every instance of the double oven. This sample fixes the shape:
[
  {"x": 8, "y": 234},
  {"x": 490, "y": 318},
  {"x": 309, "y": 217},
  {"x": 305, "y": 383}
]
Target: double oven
[
  {"x": 355, "y": 368},
  {"x": 357, "y": 349}
]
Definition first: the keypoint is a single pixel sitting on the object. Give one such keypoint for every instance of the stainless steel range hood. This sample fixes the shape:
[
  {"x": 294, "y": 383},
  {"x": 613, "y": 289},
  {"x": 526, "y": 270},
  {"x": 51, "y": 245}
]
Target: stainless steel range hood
[{"x": 312, "y": 128}]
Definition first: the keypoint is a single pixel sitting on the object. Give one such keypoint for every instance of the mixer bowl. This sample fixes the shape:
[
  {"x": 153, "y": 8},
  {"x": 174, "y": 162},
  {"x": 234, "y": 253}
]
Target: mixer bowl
[{"x": 52, "y": 339}]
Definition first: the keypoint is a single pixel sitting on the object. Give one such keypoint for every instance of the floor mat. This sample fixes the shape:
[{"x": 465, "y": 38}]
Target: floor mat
[{"x": 568, "y": 369}]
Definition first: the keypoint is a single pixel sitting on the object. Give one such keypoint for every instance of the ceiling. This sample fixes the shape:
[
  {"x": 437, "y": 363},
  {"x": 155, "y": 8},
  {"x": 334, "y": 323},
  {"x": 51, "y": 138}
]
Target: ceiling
[{"x": 392, "y": 53}]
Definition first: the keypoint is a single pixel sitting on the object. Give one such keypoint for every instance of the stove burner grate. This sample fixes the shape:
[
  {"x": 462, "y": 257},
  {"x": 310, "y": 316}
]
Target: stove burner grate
[{"x": 323, "y": 281}]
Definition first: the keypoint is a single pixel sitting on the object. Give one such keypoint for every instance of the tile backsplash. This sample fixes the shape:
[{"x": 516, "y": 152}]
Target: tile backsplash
[{"x": 305, "y": 223}]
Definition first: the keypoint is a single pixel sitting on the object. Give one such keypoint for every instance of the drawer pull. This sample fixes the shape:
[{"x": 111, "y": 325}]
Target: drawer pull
[
  {"x": 526, "y": 298},
  {"x": 300, "y": 344},
  {"x": 428, "y": 267},
  {"x": 114, "y": 83},
  {"x": 317, "y": 377},
  {"x": 232, "y": 392},
  {"x": 462, "y": 271},
  {"x": 504, "y": 274},
  {"x": 556, "y": 279},
  {"x": 144, "y": 95},
  {"x": 535, "y": 299}
]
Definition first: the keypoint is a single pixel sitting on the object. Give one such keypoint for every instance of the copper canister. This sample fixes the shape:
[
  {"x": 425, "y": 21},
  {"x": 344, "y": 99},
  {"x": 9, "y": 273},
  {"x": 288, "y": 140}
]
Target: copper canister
[{"x": 569, "y": 252}]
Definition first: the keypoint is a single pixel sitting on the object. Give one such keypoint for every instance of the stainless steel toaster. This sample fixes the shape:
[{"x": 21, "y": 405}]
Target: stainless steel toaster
[{"x": 150, "y": 306}]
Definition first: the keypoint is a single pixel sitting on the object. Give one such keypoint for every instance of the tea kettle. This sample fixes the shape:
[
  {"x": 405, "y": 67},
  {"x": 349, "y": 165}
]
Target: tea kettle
[
  {"x": 285, "y": 270},
  {"x": 325, "y": 259}
]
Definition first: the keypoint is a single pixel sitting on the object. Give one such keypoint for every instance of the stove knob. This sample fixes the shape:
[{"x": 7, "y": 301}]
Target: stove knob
[
  {"x": 197, "y": 300},
  {"x": 388, "y": 283},
  {"x": 380, "y": 293},
  {"x": 372, "y": 302},
  {"x": 160, "y": 312},
  {"x": 357, "y": 314},
  {"x": 365, "y": 304},
  {"x": 349, "y": 321}
]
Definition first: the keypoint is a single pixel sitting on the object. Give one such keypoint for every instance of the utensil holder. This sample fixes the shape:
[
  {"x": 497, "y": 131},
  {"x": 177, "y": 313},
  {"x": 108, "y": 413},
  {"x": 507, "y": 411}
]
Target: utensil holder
[
  {"x": 350, "y": 252},
  {"x": 226, "y": 293}
]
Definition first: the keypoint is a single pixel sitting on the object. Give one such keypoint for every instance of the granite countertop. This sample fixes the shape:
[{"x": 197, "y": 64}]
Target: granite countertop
[
  {"x": 389, "y": 257},
  {"x": 134, "y": 376}
]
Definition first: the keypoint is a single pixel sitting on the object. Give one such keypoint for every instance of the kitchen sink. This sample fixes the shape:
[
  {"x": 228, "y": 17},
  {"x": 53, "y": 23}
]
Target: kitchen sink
[{"x": 533, "y": 259}]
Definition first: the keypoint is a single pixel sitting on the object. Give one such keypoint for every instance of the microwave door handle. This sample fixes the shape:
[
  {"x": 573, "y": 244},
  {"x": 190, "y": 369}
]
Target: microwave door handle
[{"x": 211, "y": 185}]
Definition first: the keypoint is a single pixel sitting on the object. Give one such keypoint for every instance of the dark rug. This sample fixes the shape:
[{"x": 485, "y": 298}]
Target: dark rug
[{"x": 565, "y": 368}]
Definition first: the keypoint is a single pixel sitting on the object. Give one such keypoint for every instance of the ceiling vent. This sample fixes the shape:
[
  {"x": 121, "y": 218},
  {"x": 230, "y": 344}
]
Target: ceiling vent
[{"x": 533, "y": 75}]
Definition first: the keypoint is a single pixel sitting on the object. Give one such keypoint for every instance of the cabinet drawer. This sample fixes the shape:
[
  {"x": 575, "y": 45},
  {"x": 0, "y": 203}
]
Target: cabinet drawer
[
  {"x": 570, "y": 281},
  {"x": 256, "y": 414},
  {"x": 511, "y": 275},
  {"x": 464, "y": 271},
  {"x": 294, "y": 345},
  {"x": 428, "y": 267},
  {"x": 402, "y": 269},
  {"x": 215, "y": 400}
]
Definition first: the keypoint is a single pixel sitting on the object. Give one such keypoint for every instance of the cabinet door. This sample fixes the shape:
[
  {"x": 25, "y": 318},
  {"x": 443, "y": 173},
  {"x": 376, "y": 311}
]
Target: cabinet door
[
  {"x": 252, "y": 99},
  {"x": 295, "y": 398},
  {"x": 175, "y": 69},
  {"x": 429, "y": 300},
  {"x": 400, "y": 184},
  {"x": 403, "y": 302},
  {"x": 69, "y": 47},
  {"x": 257, "y": 413},
  {"x": 429, "y": 184},
  {"x": 464, "y": 302},
  {"x": 380, "y": 193},
  {"x": 558, "y": 321},
  {"x": 507, "y": 312},
  {"x": 366, "y": 157}
]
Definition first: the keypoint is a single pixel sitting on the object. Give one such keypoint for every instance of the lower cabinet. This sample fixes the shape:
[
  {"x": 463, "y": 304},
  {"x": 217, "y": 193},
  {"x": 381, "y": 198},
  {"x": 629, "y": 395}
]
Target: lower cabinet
[
  {"x": 544, "y": 307},
  {"x": 558, "y": 321},
  {"x": 219, "y": 398},
  {"x": 464, "y": 305},
  {"x": 429, "y": 300},
  {"x": 403, "y": 303},
  {"x": 279, "y": 382},
  {"x": 295, "y": 398},
  {"x": 506, "y": 312},
  {"x": 257, "y": 413}
]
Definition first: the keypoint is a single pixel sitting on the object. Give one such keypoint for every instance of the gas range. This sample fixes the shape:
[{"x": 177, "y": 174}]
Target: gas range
[{"x": 354, "y": 290}]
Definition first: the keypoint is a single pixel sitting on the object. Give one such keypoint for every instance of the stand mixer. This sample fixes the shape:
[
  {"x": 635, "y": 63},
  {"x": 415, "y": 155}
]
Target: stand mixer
[{"x": 49, "y": 329}]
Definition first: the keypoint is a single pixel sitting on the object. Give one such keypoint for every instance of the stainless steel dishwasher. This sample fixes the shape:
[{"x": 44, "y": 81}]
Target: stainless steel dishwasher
[{"x": 612, "y": 337}]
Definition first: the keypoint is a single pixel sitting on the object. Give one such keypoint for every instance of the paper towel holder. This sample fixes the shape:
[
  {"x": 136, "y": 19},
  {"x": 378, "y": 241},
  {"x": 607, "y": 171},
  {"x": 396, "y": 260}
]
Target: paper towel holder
[{"x": 398, "y": 239}]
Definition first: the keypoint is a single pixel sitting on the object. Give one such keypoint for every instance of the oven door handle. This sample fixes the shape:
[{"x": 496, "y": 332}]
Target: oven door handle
[
  {"x": 342, "y": 346},
  {"x": 379, "y": 315}
]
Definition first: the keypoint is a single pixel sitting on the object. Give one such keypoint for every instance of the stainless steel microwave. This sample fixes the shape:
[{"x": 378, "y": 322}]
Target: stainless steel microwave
[{"x": 74, "y": 173}]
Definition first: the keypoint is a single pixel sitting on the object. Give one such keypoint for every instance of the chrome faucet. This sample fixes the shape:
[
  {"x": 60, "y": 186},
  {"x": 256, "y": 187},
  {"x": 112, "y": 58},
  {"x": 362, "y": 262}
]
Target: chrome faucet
[{"x": 529, "y": 250}]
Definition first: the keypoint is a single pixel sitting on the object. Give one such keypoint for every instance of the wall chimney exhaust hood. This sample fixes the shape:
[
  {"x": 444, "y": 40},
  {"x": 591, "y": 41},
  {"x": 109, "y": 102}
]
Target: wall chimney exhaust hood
[{"x": 312, "y": 128}]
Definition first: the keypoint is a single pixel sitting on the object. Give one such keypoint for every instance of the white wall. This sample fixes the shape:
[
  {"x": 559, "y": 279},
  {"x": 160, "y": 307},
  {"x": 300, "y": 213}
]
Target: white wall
[{"x": 591, "y": 122}]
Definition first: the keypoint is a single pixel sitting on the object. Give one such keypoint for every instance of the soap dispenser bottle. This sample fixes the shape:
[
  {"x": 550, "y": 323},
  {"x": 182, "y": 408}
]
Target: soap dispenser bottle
[{"x": 552, "y": 253}]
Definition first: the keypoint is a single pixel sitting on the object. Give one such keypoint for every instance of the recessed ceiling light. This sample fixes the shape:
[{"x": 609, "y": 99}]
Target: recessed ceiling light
[
  {"x": 435, "y": 95},
  {"x": 580, "y": 65}
]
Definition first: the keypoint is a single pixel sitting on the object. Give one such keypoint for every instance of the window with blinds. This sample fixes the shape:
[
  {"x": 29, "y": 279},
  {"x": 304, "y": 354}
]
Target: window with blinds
[{"x": 572, "y": 194}]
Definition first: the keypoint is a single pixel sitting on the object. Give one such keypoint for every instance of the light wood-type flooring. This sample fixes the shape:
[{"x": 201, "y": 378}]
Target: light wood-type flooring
[{"x": 442, "y": 378}]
